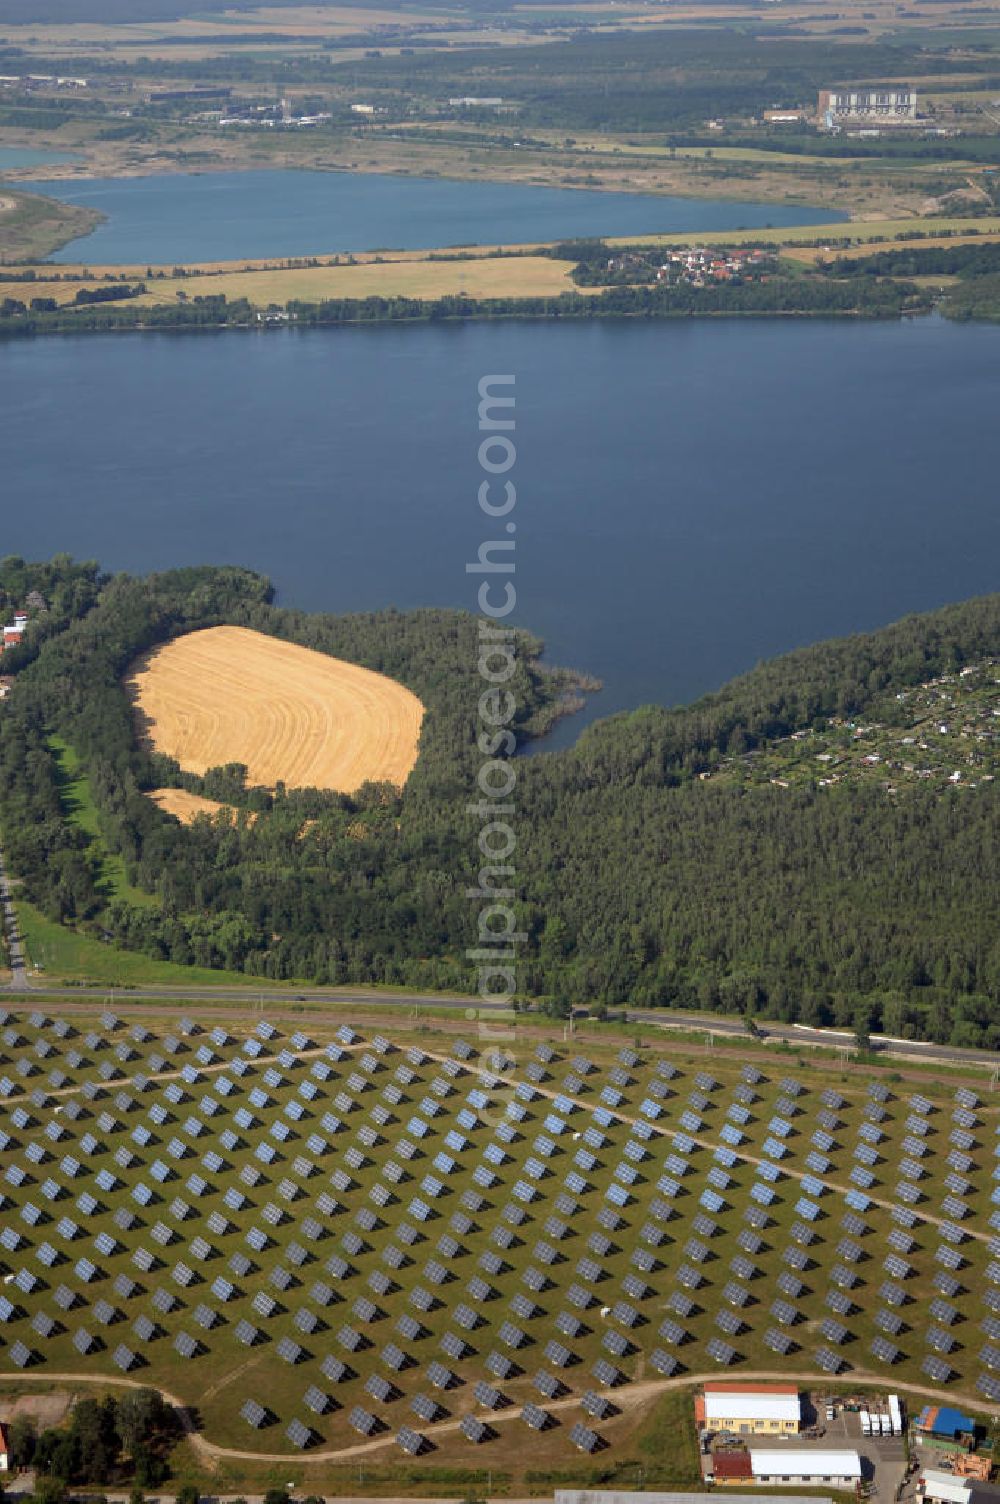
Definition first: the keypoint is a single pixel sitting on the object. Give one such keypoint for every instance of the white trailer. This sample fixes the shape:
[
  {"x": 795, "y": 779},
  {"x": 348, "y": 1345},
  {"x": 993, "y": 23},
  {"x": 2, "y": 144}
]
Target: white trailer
[
  {"x": 895, "y": 1415},
  {"x": 866, "y": 1423}
]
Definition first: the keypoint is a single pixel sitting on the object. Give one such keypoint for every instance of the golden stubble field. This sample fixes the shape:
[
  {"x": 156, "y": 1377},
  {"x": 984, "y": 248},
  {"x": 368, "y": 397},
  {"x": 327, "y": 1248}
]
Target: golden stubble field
[
  {"x": 228, "y": 694},
  {"x": 412, "y": 277}
]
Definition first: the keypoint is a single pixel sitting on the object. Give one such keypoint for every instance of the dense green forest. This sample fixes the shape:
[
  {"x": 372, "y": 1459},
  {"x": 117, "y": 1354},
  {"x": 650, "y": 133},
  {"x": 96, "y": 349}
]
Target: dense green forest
[{"x": 636, "y": 881}]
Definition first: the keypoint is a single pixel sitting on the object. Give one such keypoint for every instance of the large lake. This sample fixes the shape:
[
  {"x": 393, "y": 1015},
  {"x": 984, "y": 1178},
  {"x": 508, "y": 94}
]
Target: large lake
[
  {"x": 693, "y": 496},
  {"x": 227, "y": 216},
  {"x": 28, "y": 156}
]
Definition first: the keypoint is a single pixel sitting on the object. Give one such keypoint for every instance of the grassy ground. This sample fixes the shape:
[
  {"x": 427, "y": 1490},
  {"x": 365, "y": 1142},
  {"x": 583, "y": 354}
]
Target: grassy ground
[
  {"x": 866, "y": 232},
  {"x": 32, "y": 227},
  {"x": 81, "y": 811},
  {"x": 65, "y": 955}
]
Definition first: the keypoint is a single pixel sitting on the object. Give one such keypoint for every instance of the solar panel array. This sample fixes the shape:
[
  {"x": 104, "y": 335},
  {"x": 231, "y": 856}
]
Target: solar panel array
[{"x": 385, "y": 1226}]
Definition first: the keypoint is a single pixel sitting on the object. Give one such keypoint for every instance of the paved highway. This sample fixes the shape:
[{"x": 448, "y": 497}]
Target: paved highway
[{"x": 829, "y": 1039}]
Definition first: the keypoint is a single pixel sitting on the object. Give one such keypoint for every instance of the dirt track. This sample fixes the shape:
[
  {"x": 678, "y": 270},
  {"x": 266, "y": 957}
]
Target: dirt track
[{"x": 629, "y": 1397}]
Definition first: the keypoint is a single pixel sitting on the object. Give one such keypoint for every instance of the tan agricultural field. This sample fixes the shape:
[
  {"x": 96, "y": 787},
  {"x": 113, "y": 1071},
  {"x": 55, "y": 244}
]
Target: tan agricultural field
[
  {"x": 187, "y": 807},
  {"x": 812, "y": 253},
  {"x": 482, "y": 277},
  {"x": 228, "y": 694},
  {"x": 299, "y": 21}
]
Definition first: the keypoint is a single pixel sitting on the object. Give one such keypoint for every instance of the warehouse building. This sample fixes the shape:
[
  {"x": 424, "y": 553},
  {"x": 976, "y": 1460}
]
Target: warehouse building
[
  {"x": 945, "y": 1488},
  {"x": 749, "y": 1409},
  {"x": 795, "y": 1465},
  {"x": 624, "y": 1496},
  {"x": 939, "y": 1423}
]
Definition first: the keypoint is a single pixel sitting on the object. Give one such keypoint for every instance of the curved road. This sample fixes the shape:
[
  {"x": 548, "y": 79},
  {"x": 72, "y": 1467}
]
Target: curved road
[{"x": 628, "y": 1397}]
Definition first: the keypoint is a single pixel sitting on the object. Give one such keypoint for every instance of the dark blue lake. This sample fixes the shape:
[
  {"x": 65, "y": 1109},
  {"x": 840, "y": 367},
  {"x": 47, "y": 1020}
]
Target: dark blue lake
[
  {"x": 227, "y": 216},
  {"x": 692, "y": 496}
]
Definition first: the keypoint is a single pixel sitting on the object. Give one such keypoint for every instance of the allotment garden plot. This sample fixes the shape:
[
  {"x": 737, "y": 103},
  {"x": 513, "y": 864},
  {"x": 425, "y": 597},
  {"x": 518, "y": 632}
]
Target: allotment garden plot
[{"x": 323, "y": 1242}]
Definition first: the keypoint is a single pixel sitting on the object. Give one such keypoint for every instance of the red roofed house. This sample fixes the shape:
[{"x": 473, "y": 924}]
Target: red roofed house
[
  {"x": 749, "y": 1408},
  {"x": 731, "y": 1467},
  {"x": 13, "y": 635}
]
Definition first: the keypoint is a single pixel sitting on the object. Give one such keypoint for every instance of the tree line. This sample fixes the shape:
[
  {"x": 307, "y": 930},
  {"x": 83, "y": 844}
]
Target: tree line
[
  {"x": 813, "y": 296},
  {"x": 118, "y": 1439}
]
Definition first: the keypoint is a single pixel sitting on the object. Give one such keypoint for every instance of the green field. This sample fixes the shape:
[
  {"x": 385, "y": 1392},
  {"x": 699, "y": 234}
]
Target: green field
[
  {"x": 32, "y": 227},
  {"x": 81, "y": 811},
  {"x": 64, "y": 955},
  {"x": 330, "y": 1144}
]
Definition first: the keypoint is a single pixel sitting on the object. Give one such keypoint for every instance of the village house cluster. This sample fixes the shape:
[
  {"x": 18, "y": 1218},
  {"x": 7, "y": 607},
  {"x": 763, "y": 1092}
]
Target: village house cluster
[
  {"x": 704, "y": 266},
  {"x": 13, "y": 631}
]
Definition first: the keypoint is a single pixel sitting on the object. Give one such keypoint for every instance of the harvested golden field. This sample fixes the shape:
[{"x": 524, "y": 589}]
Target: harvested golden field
[
  {"x": 480, "y": 277},
  {"x": 290, "y": 714},
  {"x": 872, "y": 248},
  {"x": 403, "y": 276},
  {"x": 187, "y": 807}
]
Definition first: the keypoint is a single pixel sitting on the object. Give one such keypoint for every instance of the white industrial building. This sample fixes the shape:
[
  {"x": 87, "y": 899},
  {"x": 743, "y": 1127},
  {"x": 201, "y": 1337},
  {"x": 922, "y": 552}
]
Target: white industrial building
[
  {"x": 625, "y": 1496},
  {"x": 787, "y": 1466},
  {"x": 947, "y": 1488},
  {"x": 749, "y": 1408}
]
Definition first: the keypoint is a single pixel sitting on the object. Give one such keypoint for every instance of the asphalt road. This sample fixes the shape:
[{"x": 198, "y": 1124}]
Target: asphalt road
[
  {"x": 829, "y": 1039},
  {"x": 471, "y": 1006}
]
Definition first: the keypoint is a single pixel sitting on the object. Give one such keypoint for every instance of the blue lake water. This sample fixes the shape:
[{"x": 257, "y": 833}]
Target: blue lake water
[
  {"x": 692, "y": 496},
  {"x": 230, "y": 215},
  {"x": 26, "y": 156}
]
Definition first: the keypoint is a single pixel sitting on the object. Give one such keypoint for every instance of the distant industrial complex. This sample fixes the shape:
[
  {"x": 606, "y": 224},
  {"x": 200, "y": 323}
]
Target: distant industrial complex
[{"x": 883, "y": 106}]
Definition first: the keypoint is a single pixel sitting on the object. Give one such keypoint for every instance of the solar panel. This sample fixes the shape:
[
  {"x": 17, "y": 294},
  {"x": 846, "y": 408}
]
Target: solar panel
[
  {"x": 936, "y": 1368},
  {"x": 254, "y": 1414},
  {"x": 606, "y": 1373},
  {"x": 362, "y": 1421}
]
